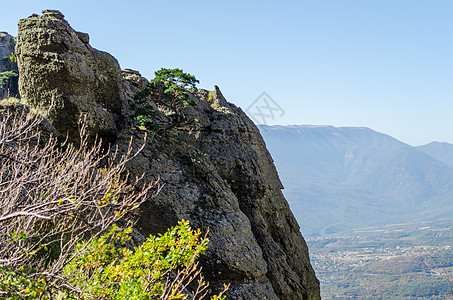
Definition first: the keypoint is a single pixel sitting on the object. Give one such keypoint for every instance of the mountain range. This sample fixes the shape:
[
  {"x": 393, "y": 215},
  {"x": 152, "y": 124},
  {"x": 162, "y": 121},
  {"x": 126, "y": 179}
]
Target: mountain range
[
  {"x": 440, "y": 150},
  {"x": 342, "y": 178}
]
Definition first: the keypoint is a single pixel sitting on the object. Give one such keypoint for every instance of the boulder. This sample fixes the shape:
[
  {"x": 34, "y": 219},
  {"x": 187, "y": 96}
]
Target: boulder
[{"x": 65, "y": 79}]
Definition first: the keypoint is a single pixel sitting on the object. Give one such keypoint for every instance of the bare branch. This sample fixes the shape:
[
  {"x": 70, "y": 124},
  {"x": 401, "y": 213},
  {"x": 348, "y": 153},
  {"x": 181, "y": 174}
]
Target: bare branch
[{"x": 53, "y": 196}]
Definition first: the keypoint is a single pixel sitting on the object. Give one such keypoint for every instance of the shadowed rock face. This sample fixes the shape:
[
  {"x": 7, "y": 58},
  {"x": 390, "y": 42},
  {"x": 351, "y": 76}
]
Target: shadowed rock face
[{"x": 255, "y": 243}]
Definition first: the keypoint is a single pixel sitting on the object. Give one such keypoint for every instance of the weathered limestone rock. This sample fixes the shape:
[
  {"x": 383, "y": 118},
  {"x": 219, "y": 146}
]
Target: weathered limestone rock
[
  {"x": 65, "y": 78},
  {"x": 239, "y": 154},
  {"x": 194, "y": 191},
  {"x": 9, "y": 77},
  {"x": 133, "y": 82},
  {"x": 6, "y": 48},
  {"x": 255, "y": 243}
]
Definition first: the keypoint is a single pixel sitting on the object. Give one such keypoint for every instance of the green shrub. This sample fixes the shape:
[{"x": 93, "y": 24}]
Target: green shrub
[{"x": 162, "y": 267}]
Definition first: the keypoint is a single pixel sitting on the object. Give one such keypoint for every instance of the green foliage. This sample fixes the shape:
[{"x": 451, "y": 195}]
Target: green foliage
[
  {"x": 168, "y": 89},
  {"x": 4, "y": 76},
  {"x": 195, "y": 157},
  {"x": 145, "y": 114},
  {"x": 106, "y": 268},
  {"x": 18, "y": 285},
  {"x": 176, "y": 82},
  {"x": 13, "y": 58}
]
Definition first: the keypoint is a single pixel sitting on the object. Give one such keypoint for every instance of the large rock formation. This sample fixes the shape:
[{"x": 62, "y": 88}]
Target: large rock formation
[
  {"x": 8, "y": 68},
  {"x": 7, "y": 45},
  {"x": 64, "y": 77},
  {"x": 219, "y": 176}
]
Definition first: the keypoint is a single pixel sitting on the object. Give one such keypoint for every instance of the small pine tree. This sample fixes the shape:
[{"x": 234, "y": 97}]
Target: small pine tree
[{"x": 168, "y": 89}]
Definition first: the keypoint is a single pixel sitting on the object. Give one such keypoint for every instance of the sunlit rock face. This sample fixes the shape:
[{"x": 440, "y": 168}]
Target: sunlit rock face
[
  {"x": 8, "y": 68},
  {"x": 232, "y": 189},
  {"x": 64, "y": 77},
  {"x": 6, "y": 48}
]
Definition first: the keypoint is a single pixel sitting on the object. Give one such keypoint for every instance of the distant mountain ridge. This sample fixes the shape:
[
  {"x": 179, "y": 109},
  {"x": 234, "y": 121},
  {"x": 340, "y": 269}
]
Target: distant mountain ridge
[
  {"x": 338, "y": 179},
  {"x": 439, "y": 150}
]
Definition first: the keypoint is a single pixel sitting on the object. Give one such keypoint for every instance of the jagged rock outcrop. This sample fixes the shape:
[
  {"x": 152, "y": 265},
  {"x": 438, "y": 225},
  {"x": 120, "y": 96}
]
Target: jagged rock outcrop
[
  {"x": 8, "y": 69},
  {"x": 7, "y": 45},
  {"x": 64, "y": 77},
  {"x": 248, "y": 167},
  {"x": 219, "y": 176}
]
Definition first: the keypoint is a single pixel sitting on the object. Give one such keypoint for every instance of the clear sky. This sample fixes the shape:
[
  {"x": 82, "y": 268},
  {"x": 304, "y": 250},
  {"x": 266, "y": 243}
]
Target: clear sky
[{"x": 383, "y": 64}]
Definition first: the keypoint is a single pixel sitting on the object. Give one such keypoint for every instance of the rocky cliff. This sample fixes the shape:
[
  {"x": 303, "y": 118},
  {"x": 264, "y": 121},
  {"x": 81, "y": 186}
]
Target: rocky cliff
[
  {"x": 7, "y": 45},
  {"x": 232, "y": 188},
  {"x": 8, "y": 68},
  {"x": 63, "y": 77}
]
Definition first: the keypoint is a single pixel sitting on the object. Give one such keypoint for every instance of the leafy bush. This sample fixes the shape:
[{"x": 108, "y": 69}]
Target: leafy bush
[
  {"x": 162, "y": 267},
  {"x": 54, "y": 196}
]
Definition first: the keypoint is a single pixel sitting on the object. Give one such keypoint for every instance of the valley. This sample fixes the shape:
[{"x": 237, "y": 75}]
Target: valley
[
  {"x": 376, "y": 213},
  {"x": 400, "y": 261}
]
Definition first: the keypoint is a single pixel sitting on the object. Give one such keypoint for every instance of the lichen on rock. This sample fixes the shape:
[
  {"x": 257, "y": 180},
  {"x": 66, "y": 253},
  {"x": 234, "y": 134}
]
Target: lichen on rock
[{"x": 65, "y": 78}]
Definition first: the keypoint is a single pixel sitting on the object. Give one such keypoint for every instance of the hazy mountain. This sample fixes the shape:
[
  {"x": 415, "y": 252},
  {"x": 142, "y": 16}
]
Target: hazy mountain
[
  {"x": 342, "y": 178},
  {"x": 440, "y": 151}
]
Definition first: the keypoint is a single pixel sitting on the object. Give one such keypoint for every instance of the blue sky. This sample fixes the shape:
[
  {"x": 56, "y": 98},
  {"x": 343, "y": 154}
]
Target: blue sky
[{"x": 382, "y": 64}]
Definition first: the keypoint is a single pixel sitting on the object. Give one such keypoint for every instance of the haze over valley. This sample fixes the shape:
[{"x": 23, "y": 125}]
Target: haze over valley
[
  {"x": 376, "y": 212},
  {"x": 342, "y": 178}
]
